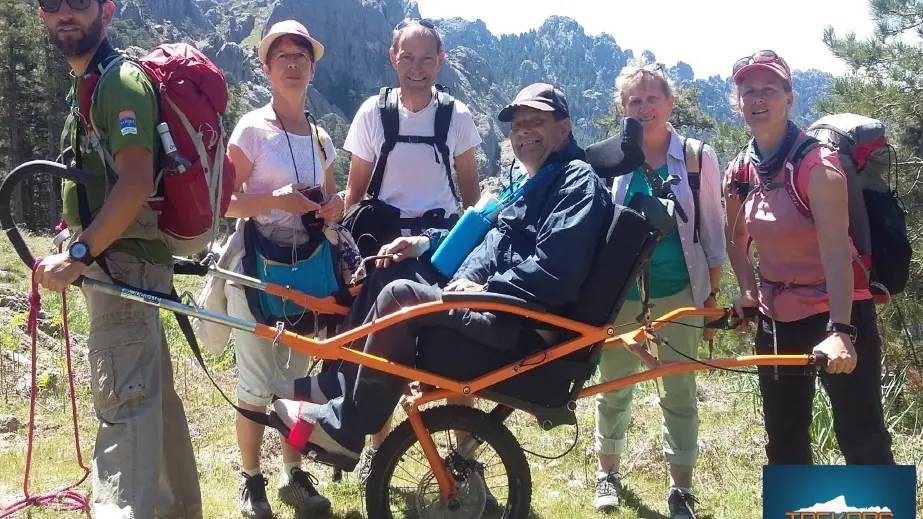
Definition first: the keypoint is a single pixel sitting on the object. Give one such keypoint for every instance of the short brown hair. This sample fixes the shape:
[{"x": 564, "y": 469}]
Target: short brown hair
[{"x": 417, "y": 25}]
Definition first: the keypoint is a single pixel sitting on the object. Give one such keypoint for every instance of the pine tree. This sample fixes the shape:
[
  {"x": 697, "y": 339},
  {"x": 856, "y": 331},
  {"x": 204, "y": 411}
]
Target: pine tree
[
  {"x": 884, "y": 82},
  {"x": 18, "y": 38}
]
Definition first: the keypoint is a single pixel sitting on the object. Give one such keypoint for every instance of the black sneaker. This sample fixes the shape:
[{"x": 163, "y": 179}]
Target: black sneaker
[
  {"x": 608, "y": 487},
  {"x": 300, "y": 493},
  {"x": 252, "y": 497},
  {"x": 682, "y": 504}
]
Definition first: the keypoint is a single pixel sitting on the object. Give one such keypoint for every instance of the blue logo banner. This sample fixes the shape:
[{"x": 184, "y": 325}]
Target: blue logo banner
[{"x": 839, "y": 492}]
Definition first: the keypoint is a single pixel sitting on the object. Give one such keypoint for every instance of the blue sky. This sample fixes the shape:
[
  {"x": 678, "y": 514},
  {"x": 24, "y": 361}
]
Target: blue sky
[{"x": 691, "y": 31}]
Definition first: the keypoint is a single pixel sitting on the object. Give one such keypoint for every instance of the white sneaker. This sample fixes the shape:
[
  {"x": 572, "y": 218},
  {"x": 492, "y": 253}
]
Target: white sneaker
[{"x": 608, "y": 487}]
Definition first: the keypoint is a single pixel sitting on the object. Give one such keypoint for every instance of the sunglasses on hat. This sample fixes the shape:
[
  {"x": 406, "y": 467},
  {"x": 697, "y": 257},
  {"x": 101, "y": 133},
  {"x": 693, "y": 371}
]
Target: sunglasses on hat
[
  {"x": 422, "y": 21},
  {"x": 763, "y": 56},
  {"x": 52, "y": 6}
]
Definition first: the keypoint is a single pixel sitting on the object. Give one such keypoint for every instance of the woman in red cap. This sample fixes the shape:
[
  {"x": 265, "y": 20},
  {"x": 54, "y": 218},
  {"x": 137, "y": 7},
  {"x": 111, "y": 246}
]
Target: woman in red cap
[
  {"x": 284, "y": 166},
  {"x": 806, "y": 297}
]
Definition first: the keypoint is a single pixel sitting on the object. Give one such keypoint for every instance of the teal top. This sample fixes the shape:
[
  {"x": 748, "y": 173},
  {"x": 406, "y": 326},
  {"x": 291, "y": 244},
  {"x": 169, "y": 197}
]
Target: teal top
[{"x": 669, "y": 274}]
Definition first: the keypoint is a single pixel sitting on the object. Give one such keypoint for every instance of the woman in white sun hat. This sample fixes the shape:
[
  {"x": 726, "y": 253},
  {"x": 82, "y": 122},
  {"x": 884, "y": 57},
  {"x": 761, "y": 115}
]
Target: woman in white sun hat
[{"x": 284, "y": 167}]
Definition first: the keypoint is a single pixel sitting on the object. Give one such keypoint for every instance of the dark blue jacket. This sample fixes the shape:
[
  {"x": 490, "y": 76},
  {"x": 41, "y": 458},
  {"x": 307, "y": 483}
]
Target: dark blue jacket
[{"x": 542, "y": 247}]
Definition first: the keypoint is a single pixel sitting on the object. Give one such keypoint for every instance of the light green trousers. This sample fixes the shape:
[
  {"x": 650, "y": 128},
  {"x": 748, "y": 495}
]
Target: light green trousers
[{"x": 680, "y": 423}]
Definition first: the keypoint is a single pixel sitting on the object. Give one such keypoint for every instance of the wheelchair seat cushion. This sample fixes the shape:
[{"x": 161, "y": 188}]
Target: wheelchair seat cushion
[{"x": 539, "y": 386}]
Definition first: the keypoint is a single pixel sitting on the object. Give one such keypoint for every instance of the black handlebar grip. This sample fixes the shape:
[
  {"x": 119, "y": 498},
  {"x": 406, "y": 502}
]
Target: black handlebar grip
[
  {"x": 16, "y": 176},
  {"x": 750, "y": 312},
  {"x": 819, "y": 360}
]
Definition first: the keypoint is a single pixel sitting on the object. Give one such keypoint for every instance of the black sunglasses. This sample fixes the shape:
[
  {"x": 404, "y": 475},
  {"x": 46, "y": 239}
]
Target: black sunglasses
[
  {"x": 422, "y": 21},
  {"x": 52, "y": 6},
  {"x": 763, "y": 56}
]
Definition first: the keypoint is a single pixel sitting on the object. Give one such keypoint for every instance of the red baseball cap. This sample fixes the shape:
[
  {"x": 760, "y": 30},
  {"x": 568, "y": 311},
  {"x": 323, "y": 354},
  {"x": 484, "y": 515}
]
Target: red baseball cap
[{"x": 766, "y": 60}]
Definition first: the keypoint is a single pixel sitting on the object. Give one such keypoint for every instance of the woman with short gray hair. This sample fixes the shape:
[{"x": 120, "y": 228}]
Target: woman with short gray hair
[{"x": 685, "y": 271}]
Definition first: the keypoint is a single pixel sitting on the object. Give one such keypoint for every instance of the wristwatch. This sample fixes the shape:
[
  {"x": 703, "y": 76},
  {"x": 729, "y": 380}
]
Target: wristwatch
[
  {"x": 80, "y": 251},
  {"x": 848, "y": 329}
]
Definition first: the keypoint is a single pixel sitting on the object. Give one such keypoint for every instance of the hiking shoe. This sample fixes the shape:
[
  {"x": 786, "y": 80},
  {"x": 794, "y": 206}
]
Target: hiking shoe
[
  {"x": 681, "y": 504},
  {"x": 300, "y": 492},
  {"x": 365, "y": 465},
  {"x": 252, "y": 497},
  {"x": 608, "y": 487}
]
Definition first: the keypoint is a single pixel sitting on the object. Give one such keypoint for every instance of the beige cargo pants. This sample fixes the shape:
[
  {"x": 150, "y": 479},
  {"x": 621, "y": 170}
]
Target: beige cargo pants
[{"x": 143, "y": 463}]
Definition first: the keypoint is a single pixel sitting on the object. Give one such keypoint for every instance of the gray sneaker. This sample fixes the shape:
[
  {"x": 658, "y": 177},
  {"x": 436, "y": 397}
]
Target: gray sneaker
[
  {"x": 300, "y": 492},
  {"x": 608, "y": 487},
  {"x": 365, "y": 465},
  {"x": 682, "y": 504},
  {"x": 252, "y": 497}
]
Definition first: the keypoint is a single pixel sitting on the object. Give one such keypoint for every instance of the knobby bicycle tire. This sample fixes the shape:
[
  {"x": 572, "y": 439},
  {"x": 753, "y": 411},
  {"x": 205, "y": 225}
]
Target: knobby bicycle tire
[{"x": 449, "y": 418}]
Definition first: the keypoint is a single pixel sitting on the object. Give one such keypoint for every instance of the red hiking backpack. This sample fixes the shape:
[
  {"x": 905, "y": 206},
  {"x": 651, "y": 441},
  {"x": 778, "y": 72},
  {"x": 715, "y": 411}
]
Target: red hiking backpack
[
  {"x": 194, "y": 177},
  {"x": 877, "y": 219}
]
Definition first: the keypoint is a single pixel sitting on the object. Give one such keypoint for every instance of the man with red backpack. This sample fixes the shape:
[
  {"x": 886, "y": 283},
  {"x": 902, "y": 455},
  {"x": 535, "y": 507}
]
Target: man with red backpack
[{"x": 143, "y": 464}]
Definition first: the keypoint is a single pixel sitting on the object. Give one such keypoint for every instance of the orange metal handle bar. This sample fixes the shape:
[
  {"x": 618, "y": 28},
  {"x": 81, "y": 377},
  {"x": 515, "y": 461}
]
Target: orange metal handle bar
[
  {"x": 327, "y": 305},
  {"x": 336, "y": 348},
  {"x": 666, "y": 369}
]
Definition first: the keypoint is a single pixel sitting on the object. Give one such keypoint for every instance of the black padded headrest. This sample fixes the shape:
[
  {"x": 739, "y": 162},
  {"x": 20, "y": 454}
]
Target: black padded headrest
[{"x": 620, "y": 154}]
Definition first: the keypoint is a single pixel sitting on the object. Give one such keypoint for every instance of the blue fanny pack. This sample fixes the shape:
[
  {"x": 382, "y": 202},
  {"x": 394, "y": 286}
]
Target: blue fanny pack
[{"x": 311, "y": 268}]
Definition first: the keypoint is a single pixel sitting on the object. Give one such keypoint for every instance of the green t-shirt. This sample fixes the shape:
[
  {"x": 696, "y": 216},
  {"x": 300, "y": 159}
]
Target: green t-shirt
[
  {"x": 125, "y": 113},
  {"x": 669, "y": 274}
]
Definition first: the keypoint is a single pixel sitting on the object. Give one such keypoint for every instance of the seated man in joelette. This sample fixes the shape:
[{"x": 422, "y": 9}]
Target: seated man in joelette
[{"x": 537, "y": 251}]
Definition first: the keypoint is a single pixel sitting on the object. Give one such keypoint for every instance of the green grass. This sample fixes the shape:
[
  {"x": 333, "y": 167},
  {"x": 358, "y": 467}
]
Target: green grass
[{"x": 727, "y": 479}]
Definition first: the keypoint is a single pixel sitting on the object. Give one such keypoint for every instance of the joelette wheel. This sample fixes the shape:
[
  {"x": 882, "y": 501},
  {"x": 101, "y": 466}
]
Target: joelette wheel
[{"x": 493, "y": 481}]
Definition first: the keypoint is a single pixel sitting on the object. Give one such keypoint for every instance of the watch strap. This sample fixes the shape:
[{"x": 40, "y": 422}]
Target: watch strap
[
  {"x": 87, "y": 259},
  {"x": 848, "y": 329}
]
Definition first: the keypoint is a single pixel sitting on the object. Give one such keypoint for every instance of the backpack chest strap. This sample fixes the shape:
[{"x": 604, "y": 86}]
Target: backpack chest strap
[{"x": 388, "y": 101}]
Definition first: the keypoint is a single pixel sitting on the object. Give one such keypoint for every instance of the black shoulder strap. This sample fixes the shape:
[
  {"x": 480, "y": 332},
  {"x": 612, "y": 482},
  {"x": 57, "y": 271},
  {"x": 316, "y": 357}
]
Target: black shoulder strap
[
  {"x": 390, "y": 121},
  {"x": 387, "y": 104},
  {"x": 444, "y": 109},
  {"x": 694, "y": 179},
  {"x": 189, "y": 333},
  {"x": 807, "y": 145}
]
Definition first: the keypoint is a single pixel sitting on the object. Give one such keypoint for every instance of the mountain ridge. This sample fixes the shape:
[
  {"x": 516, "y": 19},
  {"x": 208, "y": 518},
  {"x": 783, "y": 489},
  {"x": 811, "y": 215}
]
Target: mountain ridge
[{"x": 482, "y": 69}]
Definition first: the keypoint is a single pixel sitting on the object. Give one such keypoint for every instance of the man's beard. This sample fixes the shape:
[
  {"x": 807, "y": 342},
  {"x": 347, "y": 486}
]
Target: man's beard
[{"x": 81, "y": 46}]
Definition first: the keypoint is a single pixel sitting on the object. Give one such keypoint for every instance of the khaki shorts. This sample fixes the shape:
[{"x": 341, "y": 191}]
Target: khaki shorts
[{"x": 259, "y": 361}]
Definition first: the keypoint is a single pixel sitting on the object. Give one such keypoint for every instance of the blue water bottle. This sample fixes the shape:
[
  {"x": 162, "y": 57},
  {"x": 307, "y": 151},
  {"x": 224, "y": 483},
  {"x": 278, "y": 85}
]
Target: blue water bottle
[{"x": 467, "y": 234}]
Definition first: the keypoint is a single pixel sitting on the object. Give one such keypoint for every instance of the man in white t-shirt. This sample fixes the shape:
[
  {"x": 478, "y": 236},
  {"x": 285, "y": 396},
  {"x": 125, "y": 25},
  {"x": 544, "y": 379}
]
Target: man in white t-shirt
[{"x": 414, "y": 180}]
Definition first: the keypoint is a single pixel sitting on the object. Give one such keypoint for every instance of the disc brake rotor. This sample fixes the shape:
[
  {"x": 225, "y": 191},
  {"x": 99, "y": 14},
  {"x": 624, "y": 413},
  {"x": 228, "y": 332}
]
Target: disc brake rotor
[{"x": 469, "y": 502}]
